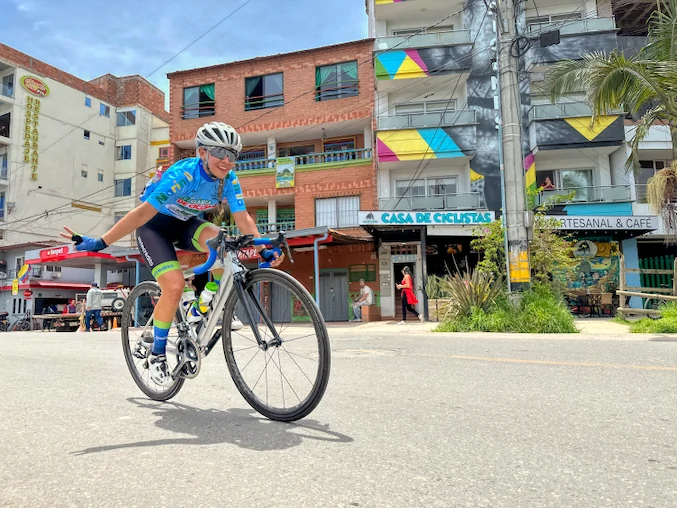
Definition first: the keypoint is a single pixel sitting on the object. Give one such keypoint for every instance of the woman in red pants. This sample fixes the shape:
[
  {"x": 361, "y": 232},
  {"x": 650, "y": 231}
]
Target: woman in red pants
[{"x": 408, "y": 296}]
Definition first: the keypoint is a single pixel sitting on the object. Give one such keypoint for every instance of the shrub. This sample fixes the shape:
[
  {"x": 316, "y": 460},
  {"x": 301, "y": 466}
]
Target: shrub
[
  {"x": 474, "y": 290},
  {"x": 540, "y": 310},
  {"x": 667, "y": 323}
]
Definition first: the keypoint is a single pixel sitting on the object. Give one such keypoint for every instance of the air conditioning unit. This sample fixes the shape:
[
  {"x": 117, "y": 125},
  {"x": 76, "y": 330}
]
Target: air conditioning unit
[{"x": 57, "y": 275}]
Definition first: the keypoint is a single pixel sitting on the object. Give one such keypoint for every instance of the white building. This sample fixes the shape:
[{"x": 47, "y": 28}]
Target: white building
[{"x": 72, "y": 153}]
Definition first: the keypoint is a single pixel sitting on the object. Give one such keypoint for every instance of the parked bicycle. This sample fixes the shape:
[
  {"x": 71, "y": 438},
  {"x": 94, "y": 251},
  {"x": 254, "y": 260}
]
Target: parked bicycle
[
  {"x": 24, "y": 324},
  {"x": 281, "y": 370}
]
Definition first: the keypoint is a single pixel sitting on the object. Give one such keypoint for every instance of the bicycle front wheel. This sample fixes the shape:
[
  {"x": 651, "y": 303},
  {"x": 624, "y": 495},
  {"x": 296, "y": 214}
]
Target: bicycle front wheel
[{"x": 285, "y": 380}]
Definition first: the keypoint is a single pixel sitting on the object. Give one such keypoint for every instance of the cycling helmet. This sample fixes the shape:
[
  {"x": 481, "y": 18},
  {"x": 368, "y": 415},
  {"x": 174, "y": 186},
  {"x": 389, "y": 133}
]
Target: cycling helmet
[{"x": 218, "y": 134}]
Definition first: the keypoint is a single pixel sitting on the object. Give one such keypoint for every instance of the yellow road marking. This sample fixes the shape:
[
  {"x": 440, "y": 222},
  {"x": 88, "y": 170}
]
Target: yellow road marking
[{"x": 570, "y": 364}]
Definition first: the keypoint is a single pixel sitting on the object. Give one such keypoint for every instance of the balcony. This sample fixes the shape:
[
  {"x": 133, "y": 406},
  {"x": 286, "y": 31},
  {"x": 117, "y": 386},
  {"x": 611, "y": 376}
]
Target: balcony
[
  {"x": 6, "y": 93},
  {"x": 4, "y": 167},
  {"x": 603, "y": 194},
  {"x": 265, "y": 229},
  {"x": 414, "y": 121},
  {"x": 562, "y": 110},
  {"x": 5, "y": 125},
  {"x": 575, "y": 26},
  {"x": 598, "y": 34},
  {"x": 450, "y": 38},
  {"x": 353, "y": 157},
  {"x": 459, "y": 201}
]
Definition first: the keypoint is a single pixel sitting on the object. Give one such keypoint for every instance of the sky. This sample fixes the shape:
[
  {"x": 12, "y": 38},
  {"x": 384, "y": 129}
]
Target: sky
[{"x": 125, "y": 37}]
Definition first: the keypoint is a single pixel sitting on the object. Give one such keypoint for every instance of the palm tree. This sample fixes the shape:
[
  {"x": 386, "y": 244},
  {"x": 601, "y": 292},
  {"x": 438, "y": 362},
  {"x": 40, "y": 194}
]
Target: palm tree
[{"x": 646, "y": 81}]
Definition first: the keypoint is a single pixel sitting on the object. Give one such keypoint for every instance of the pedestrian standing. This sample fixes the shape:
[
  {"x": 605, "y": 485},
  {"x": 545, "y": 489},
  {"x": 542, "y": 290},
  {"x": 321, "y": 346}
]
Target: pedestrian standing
[
  {"x": 93, "y": 306},
  {"x": 408, "y": 296}
]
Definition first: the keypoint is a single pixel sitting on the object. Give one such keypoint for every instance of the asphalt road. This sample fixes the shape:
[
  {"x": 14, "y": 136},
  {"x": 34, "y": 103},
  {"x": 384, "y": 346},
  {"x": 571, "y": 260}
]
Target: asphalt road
[{"x": 408, "y": 420}]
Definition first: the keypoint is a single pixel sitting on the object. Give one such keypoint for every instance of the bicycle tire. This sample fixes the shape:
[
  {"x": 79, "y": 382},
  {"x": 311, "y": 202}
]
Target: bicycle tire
[
  {"x": 126, "y": 320},
  {"x": 313, "y": 399},
  {"x": 23, "y": 325}
]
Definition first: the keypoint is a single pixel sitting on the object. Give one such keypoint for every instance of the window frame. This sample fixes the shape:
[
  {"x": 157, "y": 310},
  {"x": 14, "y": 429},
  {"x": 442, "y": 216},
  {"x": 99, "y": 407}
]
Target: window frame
[
  {"x": 340, "y": 91},
  {"x": 120, "y": 185},
  {"x": 104, "y": 110},
  {"x": 265, "y": 100},
  {"x": 352, "y": 220},
  {"x": 120, "y": 152},
  {"x": 204, "y": 108},
  {"x": 125, "y": 116}
]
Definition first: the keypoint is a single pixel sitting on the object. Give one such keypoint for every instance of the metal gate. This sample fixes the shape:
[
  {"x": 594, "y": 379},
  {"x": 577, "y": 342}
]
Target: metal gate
[{"x": 334, "y": 296}]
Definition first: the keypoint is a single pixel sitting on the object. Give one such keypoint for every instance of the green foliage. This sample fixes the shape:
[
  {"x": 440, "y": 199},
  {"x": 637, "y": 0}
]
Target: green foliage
[
  {"x": 667, "y": 323},
  {"x": 549, "y": 251},
  {"x": 433, "y": 287},
  {"x": 540, "y": 310},
  {"x": 475, "y": 290}
]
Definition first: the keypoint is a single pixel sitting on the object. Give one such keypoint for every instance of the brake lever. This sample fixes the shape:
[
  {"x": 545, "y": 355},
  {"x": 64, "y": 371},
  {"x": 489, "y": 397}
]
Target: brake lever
[{"x": 286, "y": 247}]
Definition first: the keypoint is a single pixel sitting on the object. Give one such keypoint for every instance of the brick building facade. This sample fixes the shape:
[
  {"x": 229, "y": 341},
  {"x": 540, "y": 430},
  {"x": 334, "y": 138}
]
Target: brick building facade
[{"x": 314, "y": 107}]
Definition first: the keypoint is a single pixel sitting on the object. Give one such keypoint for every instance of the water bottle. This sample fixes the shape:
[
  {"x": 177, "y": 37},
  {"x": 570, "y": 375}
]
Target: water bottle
[
  {"x": 200, "y": 308},
  {"x": 187, "y": 298}
]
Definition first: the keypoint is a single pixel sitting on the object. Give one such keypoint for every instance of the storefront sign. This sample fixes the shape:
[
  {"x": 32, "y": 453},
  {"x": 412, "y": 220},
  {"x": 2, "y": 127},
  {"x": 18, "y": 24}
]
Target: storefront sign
[
  {"x": 35, "y": 86},
  {"x": 31, "y": 135},
  {"x": 28, "y": 293},
  {"x": 15, "y": 287},
  {"x": 448, "y": 218},
  {"x": 284, "y": 177},
  {"x": 55, "y": 253},
  {"x": 600, "y": 222}
]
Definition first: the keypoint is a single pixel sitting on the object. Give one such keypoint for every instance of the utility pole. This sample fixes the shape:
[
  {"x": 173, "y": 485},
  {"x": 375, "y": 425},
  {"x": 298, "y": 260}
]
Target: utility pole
[{"x": 511, "y": 161}]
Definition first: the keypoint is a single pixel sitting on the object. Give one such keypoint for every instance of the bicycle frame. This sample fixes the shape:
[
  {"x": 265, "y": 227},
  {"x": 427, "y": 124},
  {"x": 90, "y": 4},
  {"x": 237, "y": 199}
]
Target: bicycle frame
[{"x": 232, "y": 278}]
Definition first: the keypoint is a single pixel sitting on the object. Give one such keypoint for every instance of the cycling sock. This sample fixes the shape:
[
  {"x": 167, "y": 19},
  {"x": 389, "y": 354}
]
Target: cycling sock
[
  {"x": 217, "y": 277},
  {"x": 161, "y": 331}
]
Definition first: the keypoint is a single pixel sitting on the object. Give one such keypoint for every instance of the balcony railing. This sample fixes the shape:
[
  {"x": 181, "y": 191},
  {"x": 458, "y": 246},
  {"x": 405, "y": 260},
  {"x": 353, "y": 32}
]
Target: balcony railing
[
  {"x": 640, "y": 191},
  {"x": 449, "y": 38},
  {"x": 7, "y": 91},
  {"x": 459, "y": 201},
  {"x": 414, "y": 121},
  {"x": 603, "y": 194},
  {"x": 571, "y": 27},
  {"x": 265, "y": 229},
  {"x": 33, "y": 271},
  {"x": 562, "y": 110},
  {"x": 309, "y": 159},
  {"x": 198, "y": 109}
]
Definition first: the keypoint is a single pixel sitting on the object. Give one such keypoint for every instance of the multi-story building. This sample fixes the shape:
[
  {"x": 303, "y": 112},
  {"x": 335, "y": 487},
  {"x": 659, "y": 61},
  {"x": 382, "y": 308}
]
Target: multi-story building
[
  {"x": 306, "y": 123},
  {"x": 437, "y": 150},
  {"x": 72, "y": 152}
]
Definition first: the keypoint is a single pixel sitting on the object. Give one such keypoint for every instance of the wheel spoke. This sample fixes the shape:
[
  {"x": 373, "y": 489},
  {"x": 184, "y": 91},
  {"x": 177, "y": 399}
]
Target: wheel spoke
[
  {"x": 292, "y": 359},
  {"x": 285, "y": 377}
]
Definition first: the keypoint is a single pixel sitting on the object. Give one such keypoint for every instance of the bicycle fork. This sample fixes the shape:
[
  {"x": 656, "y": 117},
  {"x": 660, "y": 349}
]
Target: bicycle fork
[{"x": 247, "y": 297}]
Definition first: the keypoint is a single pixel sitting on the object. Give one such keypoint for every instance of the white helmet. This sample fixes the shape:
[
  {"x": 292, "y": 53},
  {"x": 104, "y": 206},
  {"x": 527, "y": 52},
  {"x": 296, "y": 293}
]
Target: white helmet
[{"x": 218, "y": 134}]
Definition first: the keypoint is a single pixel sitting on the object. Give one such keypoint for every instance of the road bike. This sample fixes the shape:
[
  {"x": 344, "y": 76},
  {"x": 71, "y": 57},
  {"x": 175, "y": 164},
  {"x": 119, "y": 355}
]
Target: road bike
[{"x": 281, "y": 371}]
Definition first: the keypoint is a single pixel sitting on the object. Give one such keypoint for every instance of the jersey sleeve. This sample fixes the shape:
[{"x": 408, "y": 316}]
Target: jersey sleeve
[
  {"x": 233, "y": 193},
  {"x": 172, "y": 186}
]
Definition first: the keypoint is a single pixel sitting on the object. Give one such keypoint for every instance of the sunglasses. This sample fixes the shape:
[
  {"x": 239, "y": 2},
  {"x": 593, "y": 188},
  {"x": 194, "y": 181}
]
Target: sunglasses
[{"x": 221, "y": 153}]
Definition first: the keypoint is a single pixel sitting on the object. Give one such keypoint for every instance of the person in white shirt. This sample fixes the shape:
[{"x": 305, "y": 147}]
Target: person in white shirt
[
  {"x": 366, "y": 298},
  {"x": 93, "y": 306}
]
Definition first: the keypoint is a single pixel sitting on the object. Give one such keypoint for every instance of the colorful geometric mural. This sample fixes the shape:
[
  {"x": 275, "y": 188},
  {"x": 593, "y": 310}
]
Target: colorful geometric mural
[
  {"x": 417, "y": 144},
  {"x": 420, "y": 63},
  {"x": 578, "y": 133}
]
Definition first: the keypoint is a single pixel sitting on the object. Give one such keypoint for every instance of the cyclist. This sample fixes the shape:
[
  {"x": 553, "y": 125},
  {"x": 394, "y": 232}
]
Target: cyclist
[{"x": 168, "y": 216}]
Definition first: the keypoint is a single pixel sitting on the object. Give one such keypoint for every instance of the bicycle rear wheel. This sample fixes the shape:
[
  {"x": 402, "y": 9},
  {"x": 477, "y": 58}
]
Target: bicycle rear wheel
[
  {"x": 286, "y": 381},
  {"x": 137, "y": 323}
]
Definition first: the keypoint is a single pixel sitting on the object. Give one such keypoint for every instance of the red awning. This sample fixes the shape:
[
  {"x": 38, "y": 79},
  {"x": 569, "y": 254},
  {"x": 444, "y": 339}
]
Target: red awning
[
  {"x": 59, "y": 285},
  {"x": 67, "y": 256}
]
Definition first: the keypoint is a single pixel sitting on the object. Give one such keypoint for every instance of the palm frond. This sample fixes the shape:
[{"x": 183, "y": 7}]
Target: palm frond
[
  {"x": 662, "y": 38},
  {"x": 650, "y": 117}
]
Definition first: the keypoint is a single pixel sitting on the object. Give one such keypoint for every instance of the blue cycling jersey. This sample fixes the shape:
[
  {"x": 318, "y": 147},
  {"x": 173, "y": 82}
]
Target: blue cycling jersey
[{"x": 185, "y": 190}]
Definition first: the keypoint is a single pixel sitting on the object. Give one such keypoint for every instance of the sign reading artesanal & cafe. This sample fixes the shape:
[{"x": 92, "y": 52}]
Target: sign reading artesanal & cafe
[{"x": 440, "y": 218}]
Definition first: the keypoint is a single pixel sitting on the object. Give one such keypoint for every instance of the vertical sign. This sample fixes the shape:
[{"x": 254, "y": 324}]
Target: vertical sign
[
  {"x": 284, "y": 173},
  {"x": 15, "y": 287},
  {"x": 31, "y": 136}
]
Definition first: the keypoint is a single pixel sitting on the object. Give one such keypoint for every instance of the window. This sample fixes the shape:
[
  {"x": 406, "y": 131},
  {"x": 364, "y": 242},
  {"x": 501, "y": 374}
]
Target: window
[
  {"x": 252, "y": 155},
  {"x": 337, "y": 212},
  {"x": 291, "y": 151},
  {"x": 101, "y": 142},
  {"x": 125, "y": 118},
  {"x": 647, "y": 169},
  {"x": 7, "y": 86},
  {"x": 53, "y": 268},
  {"x": 420, "y": 108},
  {"x": 100, "y": 176},
  {"x": 104, "y": 110},
  {"x": 426, "y": 187},
  {"x": 336, "y": 81},
  {"x": 83, "y": 173},
  {"x": 579, "y": 181},
  {"x": 423, "y": 30},
  {"x": 88, "y": 102},
  {"x": 2, "y": 205},
  {"x": 87, "y": 134},
  {"x": 198, "y": 101},
  {"x": 339, "y": 145},
  {"x": 264, "y": 92},
  {"x": 124, "y": 153},
  {"x": 3, "y": 166},
  {"x": 535, "y": 23},
  {"x": 123, "y": 187},
  {"x": 18, "y": 263},
  {"x": 118, "y": 216},
  {"x": 163, "y": 153}
]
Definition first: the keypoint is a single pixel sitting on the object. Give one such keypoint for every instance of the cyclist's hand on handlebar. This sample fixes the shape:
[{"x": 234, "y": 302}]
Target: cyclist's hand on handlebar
[{"x": 272, "y": 258}]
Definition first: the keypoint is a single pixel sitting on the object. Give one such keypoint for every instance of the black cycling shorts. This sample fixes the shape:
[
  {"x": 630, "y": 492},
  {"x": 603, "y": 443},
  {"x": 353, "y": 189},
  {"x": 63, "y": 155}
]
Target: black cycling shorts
[{"x": 158, "y": 237}]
